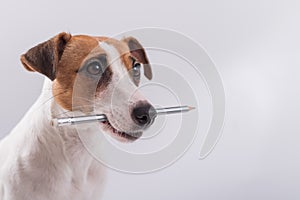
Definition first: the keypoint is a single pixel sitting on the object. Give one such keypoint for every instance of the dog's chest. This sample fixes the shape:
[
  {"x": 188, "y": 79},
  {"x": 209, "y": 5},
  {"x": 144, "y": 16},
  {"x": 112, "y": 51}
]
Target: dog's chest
[
  {"x": 61, "y": 184},
  {"x": 87, "y": 175},
  {"x": 89, "y": 185},
  {"x": 47, "y": 173}
]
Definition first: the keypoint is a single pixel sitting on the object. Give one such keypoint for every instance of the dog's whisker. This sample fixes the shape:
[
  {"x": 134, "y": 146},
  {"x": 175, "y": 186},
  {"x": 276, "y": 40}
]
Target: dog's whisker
[
  {"x": 81, "y": 107},
  {"x": 50, "y": 89},
  {"x": 95, "y": 103},
  {"x": 85, "y": 99},
  {"x": 47, "y": 100}
]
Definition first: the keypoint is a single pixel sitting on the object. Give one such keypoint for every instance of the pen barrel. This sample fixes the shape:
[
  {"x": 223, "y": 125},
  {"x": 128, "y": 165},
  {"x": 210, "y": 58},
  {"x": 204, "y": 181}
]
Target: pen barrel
[
  {"x": 172, "y": 110},
  {"x": 80, "y": 120}
]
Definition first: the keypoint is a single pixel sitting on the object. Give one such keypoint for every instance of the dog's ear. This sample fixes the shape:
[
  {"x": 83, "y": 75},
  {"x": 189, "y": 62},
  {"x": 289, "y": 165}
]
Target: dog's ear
[
  {"x": 44, "y": 57},
  {"x": 137, "y": 51}
]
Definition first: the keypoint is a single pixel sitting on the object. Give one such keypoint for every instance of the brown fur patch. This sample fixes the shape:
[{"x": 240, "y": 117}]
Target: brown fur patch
[
  {"x": 72, "y": 90},
  {"x": 66, "y": 55},
  {"x": 137, "y": 51},
  {"x": 78, "y": 48},
  {"x": 123, "y": 50}
]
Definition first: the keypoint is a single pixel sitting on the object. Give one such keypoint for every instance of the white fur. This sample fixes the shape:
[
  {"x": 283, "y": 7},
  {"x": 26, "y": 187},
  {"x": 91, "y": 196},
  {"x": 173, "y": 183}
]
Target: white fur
[
  {"x": 121, "y": 95},
  {"x": 41, "y": 162}
]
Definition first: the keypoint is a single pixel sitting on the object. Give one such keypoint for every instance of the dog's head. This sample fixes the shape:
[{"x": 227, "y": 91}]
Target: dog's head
[{"x": 97, "y": 74}]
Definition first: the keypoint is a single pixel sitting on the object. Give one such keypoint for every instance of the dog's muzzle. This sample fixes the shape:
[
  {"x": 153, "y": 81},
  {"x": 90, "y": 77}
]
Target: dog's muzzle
[{"x": 143, "y": 114}]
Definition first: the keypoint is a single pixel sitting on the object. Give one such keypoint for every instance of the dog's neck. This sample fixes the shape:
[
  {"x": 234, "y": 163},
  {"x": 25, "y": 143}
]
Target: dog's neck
[
  {"x": 60, "y": 143},
  {"x": 50, "y": 158}
]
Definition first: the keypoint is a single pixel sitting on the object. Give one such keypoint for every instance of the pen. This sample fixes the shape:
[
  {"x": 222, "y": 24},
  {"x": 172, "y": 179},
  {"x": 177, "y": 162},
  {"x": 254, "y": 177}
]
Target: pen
[{"x": 101, "y": 117}]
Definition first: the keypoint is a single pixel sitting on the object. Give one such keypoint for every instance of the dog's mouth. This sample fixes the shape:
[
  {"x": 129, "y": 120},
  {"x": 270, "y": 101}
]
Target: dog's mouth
[{"x": 108, "y": 127}]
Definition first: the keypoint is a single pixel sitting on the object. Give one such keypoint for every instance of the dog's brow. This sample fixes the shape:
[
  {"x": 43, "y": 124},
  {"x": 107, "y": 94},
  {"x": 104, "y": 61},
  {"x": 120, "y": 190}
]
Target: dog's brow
[
  {"x": 110, "y": 50},
  {"x": 116, "y": 53}
]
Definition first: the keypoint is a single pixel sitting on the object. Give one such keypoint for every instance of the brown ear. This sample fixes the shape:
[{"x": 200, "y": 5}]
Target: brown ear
[
  {"x": 44, "y": 57},
  {"x": 137, "y": 51}
]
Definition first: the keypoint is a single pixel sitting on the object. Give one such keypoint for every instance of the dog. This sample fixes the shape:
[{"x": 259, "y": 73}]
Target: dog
[{"x": 84, "y": 74}]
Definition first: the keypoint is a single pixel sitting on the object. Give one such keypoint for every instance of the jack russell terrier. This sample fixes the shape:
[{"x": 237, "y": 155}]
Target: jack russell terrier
[{"x": 41, "y": 162}]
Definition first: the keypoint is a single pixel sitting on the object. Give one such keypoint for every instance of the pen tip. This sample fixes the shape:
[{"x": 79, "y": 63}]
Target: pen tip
[{"x": 191, "y": 107}]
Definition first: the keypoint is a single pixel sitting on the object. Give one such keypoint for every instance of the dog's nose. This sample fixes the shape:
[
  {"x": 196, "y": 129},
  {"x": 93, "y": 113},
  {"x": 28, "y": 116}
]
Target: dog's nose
[{"x": 143, "y": 114}]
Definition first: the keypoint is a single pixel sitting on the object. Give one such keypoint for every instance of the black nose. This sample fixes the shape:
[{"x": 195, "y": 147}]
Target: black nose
[{"x": 143, "y": 113}]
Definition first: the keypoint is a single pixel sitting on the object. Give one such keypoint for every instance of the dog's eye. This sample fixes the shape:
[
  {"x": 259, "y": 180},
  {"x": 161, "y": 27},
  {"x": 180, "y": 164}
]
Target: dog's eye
[
  {"x": 136, "y": 72},
  {"x": 94, "y": 68},
  {"x": 136, "y": 69}
]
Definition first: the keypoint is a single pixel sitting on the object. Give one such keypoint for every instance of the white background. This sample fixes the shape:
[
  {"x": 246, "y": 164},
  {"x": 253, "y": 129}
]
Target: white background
[{"x": 256, "y": 47}]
